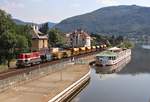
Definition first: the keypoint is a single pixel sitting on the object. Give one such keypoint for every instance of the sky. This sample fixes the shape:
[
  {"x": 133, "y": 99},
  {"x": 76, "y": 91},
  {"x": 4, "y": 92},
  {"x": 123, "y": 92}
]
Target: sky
[{"x": 40, "y": 11}]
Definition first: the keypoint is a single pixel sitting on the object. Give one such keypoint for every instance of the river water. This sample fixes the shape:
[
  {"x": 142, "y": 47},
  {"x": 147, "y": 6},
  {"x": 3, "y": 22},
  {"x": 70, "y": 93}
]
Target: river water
[{"x": 129, "y": 83}]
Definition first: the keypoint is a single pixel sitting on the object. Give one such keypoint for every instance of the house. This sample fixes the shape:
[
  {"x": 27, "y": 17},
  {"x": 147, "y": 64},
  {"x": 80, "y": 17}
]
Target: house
[
  {"x": 39, "y": 40},
  {"x": 79, "y": 38}
]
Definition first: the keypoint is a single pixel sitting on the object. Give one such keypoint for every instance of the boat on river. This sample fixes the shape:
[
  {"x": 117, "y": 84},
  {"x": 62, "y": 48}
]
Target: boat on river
[
  {"x": 112, "y": 56},
  {"x": 114, "y": 68}
]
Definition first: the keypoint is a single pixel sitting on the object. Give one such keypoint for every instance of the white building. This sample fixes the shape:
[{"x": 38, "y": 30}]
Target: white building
[{"x": 79, "y": 38}]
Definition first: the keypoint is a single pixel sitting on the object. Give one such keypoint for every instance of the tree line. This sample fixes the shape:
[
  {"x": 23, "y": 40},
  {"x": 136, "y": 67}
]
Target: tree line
[{"x": 112, "y": 40}]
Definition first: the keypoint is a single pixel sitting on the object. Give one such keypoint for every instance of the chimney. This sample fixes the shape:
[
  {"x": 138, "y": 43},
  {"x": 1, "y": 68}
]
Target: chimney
[
  {"x": 37, "y": 28},
  {"x": 33, "y": 27}
]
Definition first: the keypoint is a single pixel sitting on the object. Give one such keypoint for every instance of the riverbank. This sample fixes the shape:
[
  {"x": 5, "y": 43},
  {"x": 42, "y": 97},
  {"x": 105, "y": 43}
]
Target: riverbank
[{"x": 46, "y": 88}]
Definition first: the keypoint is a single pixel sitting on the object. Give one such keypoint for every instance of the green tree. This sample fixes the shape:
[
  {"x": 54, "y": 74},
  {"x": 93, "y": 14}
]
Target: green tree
[
  {"x": 116, "y": 40},
  {"x": 99, "y": 39},
  {"x": 126, "y": 44},
  {"x": 119, "y": 40},
  {"x": 44, "y": 29},
  {"x": 7, "y": 37},
  {"x": 8, "y": 43},
  {"x": 24, "y": 30},
  {"x": 56, "y": 38},
  {"x": 22, "y": 42},
  {"x": 5, "y": 22}
]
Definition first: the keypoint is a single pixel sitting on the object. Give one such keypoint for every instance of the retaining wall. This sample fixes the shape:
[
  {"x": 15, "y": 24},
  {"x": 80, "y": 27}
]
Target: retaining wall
[{"x": 30, "y": 75}]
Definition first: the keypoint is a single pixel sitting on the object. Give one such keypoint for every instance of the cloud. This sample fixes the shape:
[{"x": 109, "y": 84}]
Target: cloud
[
  {"x": 10, "y": 5},
  {"x": 37, "y": 1},
  {"x": 76, "y": 5}
]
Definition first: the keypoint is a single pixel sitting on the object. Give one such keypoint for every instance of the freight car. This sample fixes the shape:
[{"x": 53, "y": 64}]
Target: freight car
[
  {"x": 66, "y": 53},
  {"x": 74, "y": 51},
  {"x": 88, "y": 49},
  {"x": 93, "y": 48},
  {"x": 62, "y": 54},
  {"x": 97, "y": 48},
  {"x": 57, "y": 55},
  {"x": 46, "y": 57},
  {"x": 82, "y": 50}
]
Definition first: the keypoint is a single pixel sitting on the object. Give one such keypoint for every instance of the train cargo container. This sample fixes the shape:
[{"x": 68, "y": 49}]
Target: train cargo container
[
  {"x": 46, "y": 57},
  {"x": 93, "y": 48},
  {"x": 82, "y": 50},
  {"x": 88, "y": 49},
  {"x": 66, "y": 53},
  {"x": 75, "y": 51},
  {"x": 98, "y": 48},
  {"x": 58, "y": 55}
]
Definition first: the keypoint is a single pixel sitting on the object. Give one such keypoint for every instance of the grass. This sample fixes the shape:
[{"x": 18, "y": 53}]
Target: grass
[{"x": 4, "y": 67}]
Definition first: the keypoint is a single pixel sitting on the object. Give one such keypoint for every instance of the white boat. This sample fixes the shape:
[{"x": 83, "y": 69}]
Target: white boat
[
  {"x": 112, "y": 56},
  {"x": 114, "y": 68}
]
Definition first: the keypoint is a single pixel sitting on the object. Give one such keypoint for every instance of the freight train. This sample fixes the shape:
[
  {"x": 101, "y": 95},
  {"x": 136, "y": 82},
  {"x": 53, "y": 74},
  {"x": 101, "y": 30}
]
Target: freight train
[{"x": 34, "y": 58}]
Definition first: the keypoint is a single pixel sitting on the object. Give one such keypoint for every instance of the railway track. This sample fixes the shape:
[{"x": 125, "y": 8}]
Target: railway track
[{"x": 16, "y": 71}]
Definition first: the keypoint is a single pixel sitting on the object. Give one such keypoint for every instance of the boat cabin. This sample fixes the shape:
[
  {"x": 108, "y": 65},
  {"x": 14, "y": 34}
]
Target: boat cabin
[{"x": 107, "y": 55}]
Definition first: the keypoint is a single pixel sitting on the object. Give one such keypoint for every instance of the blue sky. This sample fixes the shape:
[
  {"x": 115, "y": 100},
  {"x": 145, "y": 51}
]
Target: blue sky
[{"x": 40, "y": 11}]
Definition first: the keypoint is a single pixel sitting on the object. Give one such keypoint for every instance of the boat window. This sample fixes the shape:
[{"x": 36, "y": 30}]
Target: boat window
[
  {"x": 110, "y": 58},
  {"x": 101, "y": 57},
  {"x": 114, "y": 58}
]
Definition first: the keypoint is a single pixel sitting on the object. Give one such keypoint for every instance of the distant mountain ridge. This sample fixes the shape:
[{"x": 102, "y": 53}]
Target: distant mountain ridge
[
  {"x": 20, "y": 22},
  {"x": 50, "y": 24},
  {"x": 122, "y": 19}
]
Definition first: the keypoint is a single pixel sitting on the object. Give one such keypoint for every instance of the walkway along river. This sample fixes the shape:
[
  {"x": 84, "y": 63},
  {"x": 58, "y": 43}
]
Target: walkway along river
[{"x": 129, "y": 84}]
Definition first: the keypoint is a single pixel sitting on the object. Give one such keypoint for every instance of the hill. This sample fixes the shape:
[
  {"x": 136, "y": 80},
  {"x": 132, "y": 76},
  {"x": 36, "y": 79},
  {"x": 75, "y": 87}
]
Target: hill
[
  {"x": 20, "y": 22},
  {"x": 111, "y": 20},
  {"x": 50, "y": 24}
]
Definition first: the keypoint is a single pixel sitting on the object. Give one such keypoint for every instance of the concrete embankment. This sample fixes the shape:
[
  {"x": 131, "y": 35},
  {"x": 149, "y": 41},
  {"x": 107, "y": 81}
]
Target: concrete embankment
[{"x": 55, "y": 86}]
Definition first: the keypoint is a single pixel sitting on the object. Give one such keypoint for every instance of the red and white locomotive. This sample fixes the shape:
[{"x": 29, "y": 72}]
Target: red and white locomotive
[
  {"x": 28, "y": 59},
  {"x": 33, "y": 58}
]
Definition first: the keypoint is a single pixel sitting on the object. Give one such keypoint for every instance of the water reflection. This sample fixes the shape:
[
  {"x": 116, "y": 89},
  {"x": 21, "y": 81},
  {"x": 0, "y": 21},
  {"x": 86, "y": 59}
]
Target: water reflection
[
  {"x": 140, "y": 62},
  {"x": 146, "y": 47}
]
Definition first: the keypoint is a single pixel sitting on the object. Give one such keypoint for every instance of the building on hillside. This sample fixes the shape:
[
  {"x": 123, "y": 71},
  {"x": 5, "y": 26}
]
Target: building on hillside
[
  {"x": 79, "y": 38},
  {"x": 39, "y": 40}
]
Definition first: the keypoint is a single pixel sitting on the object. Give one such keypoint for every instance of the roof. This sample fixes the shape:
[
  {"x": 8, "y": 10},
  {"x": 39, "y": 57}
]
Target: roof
[
  {"x": 36, "y": 34},
  {"x": 80, "y": 32},
  {"x": 107, "y": 53}
]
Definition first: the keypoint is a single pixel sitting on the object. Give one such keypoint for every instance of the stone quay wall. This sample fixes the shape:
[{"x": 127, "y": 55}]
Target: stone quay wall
[{"x": 22, "y": 78}]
